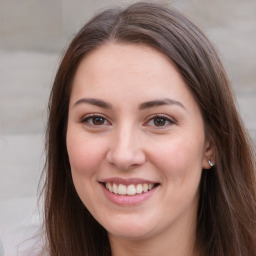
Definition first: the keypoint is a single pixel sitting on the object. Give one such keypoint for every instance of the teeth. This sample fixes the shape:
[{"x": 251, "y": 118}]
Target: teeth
[
  {"x": 150, "y": 186},
  {"x": 139, "y": 189},
  {"x": 115, "y": 188},
  {"x": 130, "y": 190},
  {"x": 145, "y": 187},
  {"x": 121, "y": 189},
  {"x": 110, "y": 188}
]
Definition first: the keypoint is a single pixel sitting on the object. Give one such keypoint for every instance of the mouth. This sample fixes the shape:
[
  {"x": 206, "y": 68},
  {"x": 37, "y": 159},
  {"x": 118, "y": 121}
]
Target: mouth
[{"x": 130, "y": 189}]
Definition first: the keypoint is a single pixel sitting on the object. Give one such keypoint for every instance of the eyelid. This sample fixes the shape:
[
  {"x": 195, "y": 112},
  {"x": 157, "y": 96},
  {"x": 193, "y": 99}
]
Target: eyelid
[
  {"x": 168, "y": 118},
  {"x": 85, "y": 119}
]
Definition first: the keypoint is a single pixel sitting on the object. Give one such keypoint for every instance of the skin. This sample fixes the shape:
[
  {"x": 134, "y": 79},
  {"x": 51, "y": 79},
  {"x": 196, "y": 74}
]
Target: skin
[{"x": 128, "y": 142}]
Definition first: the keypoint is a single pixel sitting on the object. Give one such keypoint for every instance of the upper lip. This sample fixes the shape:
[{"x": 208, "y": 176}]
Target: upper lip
[{"x": 129, "y": 181}]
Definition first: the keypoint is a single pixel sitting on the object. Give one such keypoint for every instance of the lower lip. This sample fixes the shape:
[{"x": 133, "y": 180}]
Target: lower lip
[{"x": 128, "y": 200}]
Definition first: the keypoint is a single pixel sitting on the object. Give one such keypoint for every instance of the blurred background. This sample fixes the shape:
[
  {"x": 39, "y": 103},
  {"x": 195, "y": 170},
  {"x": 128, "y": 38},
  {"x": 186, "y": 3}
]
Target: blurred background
[{"x": 33, "y": 36}]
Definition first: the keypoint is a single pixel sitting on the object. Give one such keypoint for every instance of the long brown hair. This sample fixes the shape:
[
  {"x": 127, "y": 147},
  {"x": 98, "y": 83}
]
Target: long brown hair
[{"x": 226, "y": 223}]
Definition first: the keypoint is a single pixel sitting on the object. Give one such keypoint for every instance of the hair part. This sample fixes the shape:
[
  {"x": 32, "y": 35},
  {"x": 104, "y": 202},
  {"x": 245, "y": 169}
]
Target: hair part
[{"x": 227, "y": 208}]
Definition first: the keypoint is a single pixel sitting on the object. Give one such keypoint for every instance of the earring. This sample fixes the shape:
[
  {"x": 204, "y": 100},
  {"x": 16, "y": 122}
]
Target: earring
[{"x": 210, "y": 163}]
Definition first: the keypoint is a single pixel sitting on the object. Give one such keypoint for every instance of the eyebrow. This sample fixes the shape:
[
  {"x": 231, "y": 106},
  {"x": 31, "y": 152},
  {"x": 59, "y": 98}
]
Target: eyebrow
[
  {"x": 142, "y": 106},
  {"x": 162, "y": 102},
  {"x": 95, "y": 102}
]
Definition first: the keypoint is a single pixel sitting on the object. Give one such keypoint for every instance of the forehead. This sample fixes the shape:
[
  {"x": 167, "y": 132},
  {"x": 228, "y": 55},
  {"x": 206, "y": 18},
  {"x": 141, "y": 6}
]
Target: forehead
[
  {"x": 136, "y": 58},
  {"x": 124, "y": 65}
]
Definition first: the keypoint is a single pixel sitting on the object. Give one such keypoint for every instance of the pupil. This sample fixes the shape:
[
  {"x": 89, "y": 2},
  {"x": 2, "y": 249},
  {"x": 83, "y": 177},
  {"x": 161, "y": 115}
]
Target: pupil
[
  {"x": 98, "y": 120},
  {"x": 159, "y": 121}
]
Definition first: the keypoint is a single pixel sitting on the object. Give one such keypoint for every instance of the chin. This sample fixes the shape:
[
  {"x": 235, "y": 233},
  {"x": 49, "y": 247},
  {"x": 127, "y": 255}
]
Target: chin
[
  {"x": 130, "y": 234},
  {"x": 131, "y": 231}
]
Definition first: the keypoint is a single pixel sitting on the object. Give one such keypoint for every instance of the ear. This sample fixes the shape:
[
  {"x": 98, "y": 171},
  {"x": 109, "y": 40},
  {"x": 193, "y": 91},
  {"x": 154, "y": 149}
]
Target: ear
[{"x": 209, "y": 153}]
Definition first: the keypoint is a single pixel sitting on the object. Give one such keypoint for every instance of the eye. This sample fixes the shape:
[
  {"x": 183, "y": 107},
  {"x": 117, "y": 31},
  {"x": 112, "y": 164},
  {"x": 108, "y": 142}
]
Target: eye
[
  {"x": 95, "y": 120},
  {"x": 159, "y": 121}
]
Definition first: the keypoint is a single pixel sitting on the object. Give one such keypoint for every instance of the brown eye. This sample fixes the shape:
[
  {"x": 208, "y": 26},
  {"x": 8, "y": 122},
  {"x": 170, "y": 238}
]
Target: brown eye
[
  {"x": 97, "y": 120},
  {"x": 159, "y": 121},
  {"x": 94, "y": 120}
]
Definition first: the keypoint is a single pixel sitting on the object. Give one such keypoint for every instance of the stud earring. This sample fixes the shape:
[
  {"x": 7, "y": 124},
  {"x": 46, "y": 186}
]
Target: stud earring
[{"x": 210, "y": 163}]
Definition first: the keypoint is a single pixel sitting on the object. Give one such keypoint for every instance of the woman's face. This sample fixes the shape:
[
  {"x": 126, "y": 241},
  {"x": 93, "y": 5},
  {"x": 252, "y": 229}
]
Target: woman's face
[{"x": 136, "y": 142}]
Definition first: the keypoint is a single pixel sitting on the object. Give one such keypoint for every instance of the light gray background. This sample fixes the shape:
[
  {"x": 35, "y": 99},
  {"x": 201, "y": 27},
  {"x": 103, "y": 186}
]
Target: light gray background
[{"x": 33, "y": 34}]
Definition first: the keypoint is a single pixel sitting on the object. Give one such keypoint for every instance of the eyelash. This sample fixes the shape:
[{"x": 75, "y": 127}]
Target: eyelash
[
  {"x": 163, "y": 117},
  {"x": 92, "y": 117},
  {"x": 89, "y": 119}
]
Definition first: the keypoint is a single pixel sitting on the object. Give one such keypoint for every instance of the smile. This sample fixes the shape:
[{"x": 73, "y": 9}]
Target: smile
[{"x": 129, "y": 190}]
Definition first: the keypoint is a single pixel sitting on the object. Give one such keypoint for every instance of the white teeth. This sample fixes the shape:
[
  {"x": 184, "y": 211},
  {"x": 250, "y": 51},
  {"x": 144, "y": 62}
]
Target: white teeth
[
  {"x": 150, "y": 186},
  {"x": 121, "y": 189},
  {"x": 115, "y": 188},
  {"x": 139, "y": 189},
  {"x": 110, "y": 188},
  {"x": 145, "y": 187},
  {"x": 130, "y": 190}
]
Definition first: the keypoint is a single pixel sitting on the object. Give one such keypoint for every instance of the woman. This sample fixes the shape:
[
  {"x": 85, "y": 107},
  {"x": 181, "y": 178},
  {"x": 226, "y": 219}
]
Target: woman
[{"x": 146, "y": 154}]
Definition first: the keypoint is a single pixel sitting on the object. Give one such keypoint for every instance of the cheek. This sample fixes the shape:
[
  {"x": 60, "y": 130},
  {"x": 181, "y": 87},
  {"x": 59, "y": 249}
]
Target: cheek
[
  {"x": 85, "y": 157},
  {"x": 84, "y": 154},
  {"x": 179, "y": 157},
  {"x": 180, "y": 167}
]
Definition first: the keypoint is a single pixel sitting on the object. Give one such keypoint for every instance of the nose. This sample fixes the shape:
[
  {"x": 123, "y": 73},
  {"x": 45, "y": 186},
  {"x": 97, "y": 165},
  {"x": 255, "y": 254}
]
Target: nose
[{"x": 125, "y": 151}]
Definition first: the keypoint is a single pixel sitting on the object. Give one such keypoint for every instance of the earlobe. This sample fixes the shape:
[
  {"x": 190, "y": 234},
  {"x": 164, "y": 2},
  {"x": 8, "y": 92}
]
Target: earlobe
[{"x": 209, "y": 154}]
